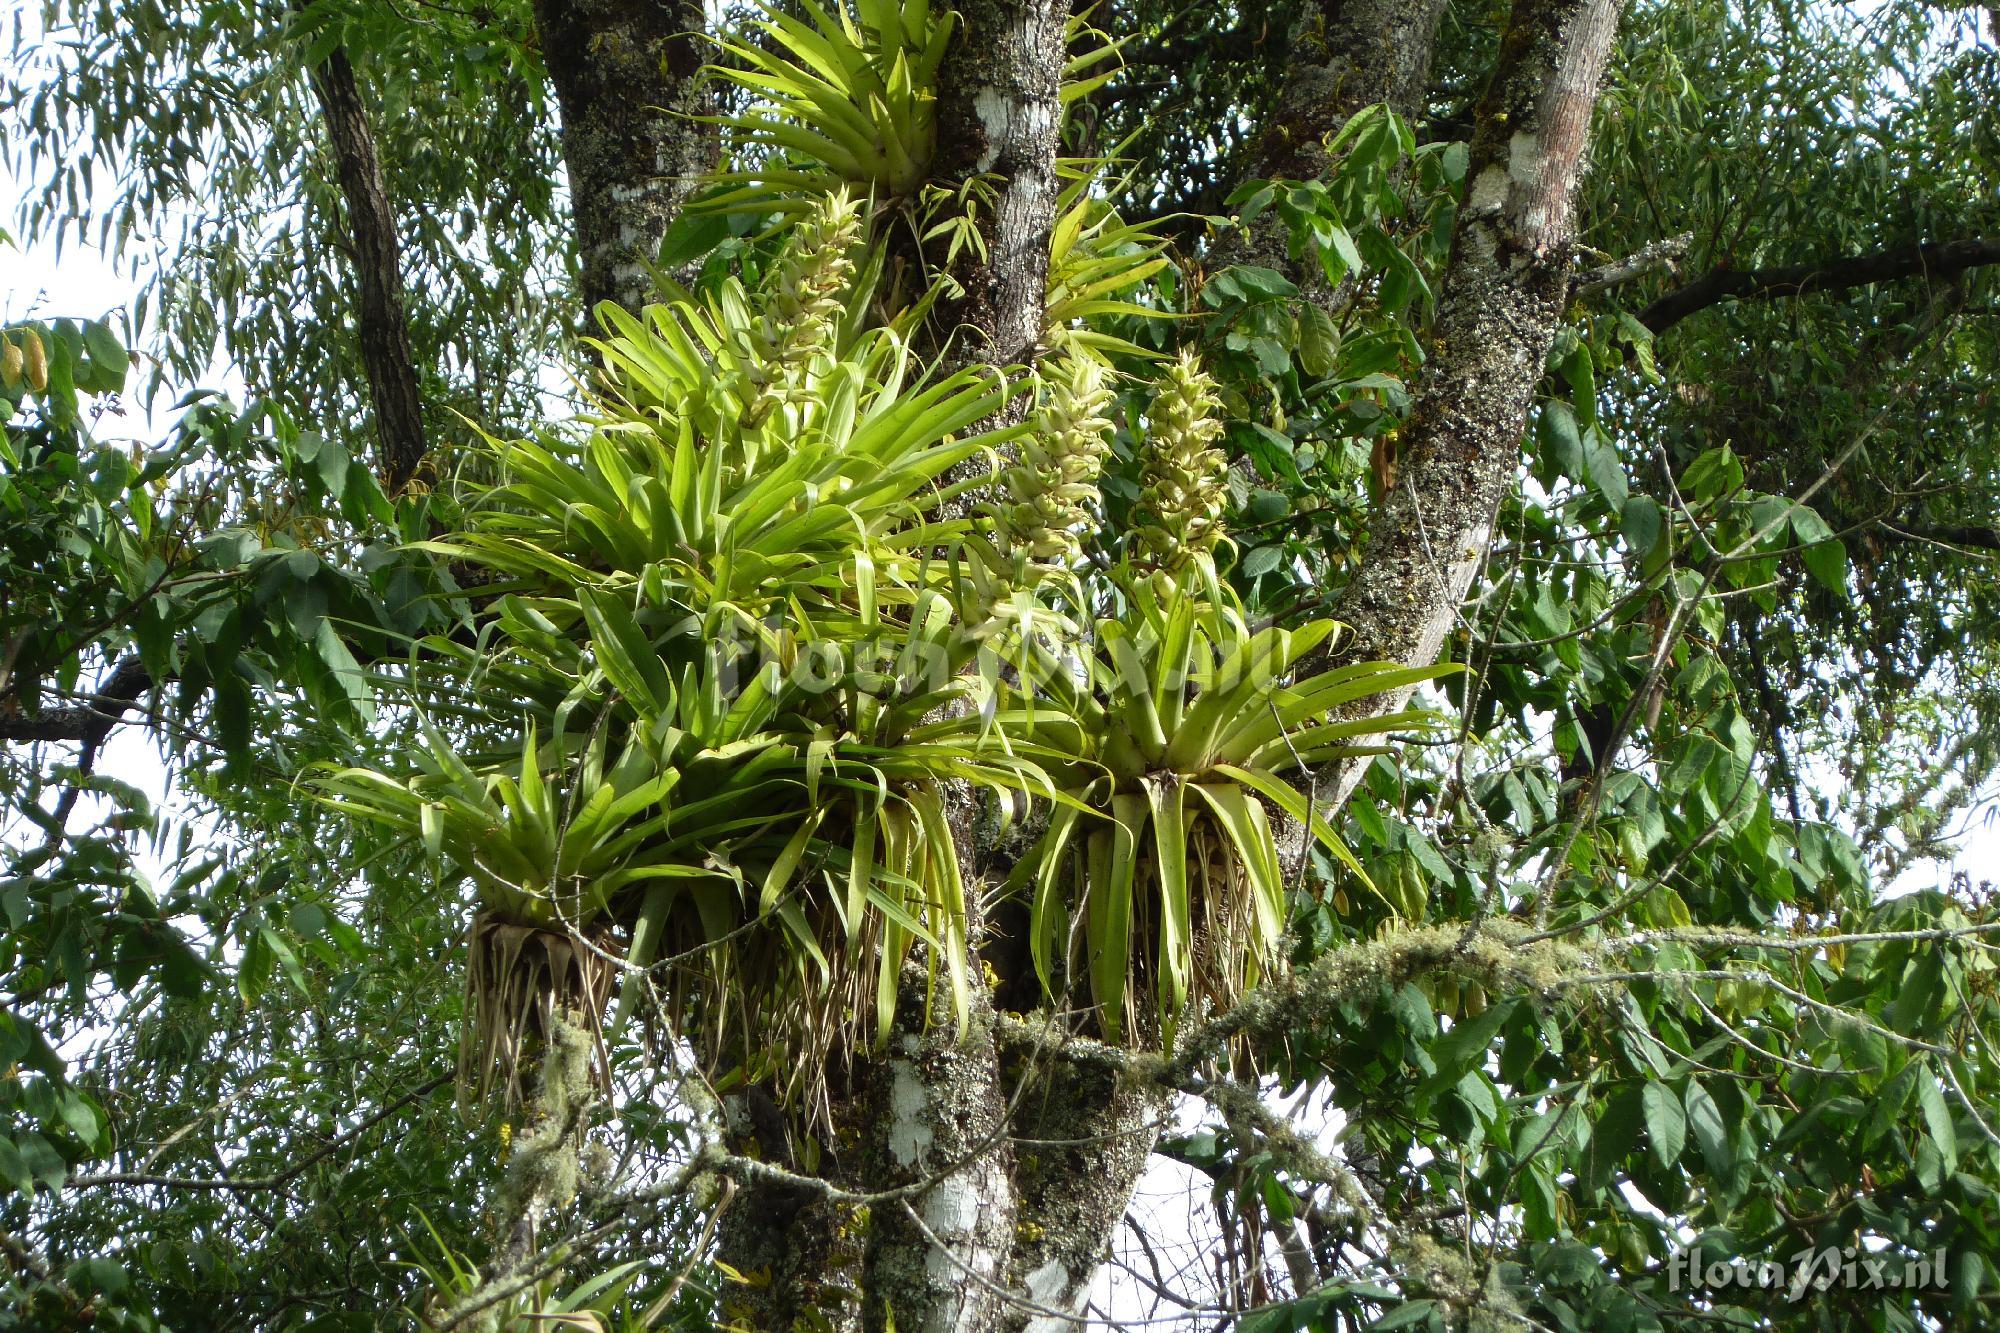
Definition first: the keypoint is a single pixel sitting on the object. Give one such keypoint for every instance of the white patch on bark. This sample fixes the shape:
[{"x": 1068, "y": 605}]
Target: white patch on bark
[
  {"x": 628, "y": 275},
  {"x": 1049, "y": 1286},
  {"x": 951, "y": 1211},
  {"x": 909, "y": 1137},
  {"x": 996, "y": 115},
  {"x": 1490, "y": 190},
  {"x": 1524, "y": 158}
]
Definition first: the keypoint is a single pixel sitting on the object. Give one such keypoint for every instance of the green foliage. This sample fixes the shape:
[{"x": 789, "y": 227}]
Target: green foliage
[
  {"x": 1170, "y": 739},
  {"x": 840, "y": 97},
  {"x": 745, "y": 572},
  {"x": 741, "y": 585},
  {"x": 673, "y": 703},
  {"x": 1099, "y": 265},
  {"x": 120, "y": 568}
]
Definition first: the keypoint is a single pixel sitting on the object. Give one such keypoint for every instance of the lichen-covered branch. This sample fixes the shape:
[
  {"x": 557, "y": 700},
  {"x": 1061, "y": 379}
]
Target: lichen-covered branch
[
  {"x": 1501, "y": 299},
  {"x": 1081, "y": 1139}
]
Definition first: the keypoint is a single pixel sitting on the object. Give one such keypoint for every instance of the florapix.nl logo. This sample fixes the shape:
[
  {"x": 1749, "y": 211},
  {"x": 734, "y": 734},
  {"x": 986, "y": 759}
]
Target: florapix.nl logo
[{"x": 1849, "y": 1267}]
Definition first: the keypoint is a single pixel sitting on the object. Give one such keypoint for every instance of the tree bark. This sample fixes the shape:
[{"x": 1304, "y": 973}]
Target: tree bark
[
  {"x": 1083, "y": 1142},
  {"x": 937, "y": 1262},
  {"x": 627, "y": 74},
  {"x": 800, "y": 1252},
  {"x": 1502, "y": 298},
  {"x": 381, "y": 325},
  {"x": 1346, "y": 55},
  {"x": 999, "y": 115},
  {"x": 993, "y": 1234},
  {"x": 1934, "y": 262}
]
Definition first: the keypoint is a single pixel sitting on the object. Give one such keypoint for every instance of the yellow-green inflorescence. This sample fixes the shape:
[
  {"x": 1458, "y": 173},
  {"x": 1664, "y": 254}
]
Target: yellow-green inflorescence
[
  {"x": 1053, "y": 484},
  {"x": 1184, "y": 481},
  {"x": 803, "y": 304}
]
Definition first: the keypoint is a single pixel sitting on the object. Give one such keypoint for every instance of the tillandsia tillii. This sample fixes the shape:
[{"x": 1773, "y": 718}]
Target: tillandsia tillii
[
  {"x": 1160, "y": 875},
  {"x": 802, "y": 305},
  {"x": 841, "y": 93},
  {"x": 768, "y": 839},
  {"x": 1183, "y": 482},
  {"x": 741, "y": 697},
  {"x": 1053, "y": 482}
]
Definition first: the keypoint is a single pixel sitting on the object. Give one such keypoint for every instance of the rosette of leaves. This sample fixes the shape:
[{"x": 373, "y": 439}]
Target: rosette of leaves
[
  {"x": 1183, "y": 477},
  {"x": 1180, "y": 725},
  {"x": 671, "y": 487},
  {"x": 776, "y": 649},
  {"x": 839, "y": 98}
]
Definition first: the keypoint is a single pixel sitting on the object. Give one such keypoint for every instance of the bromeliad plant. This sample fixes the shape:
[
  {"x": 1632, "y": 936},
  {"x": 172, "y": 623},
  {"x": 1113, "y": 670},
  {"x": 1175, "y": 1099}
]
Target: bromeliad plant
[
  {"x": 744, "y": 672},
  {"x": 842, "y": 99},
  {"x": 1168, "y": 726},
  {"x": 1172, "y": 727},
  {"x": 754, "y": 636}
]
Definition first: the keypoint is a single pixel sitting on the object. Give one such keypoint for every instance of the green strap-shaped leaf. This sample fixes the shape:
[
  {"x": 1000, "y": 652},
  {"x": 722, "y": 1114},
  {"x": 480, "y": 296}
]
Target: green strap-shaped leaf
[
  {"x": 625, "y": 653},
  {"x": 1243, "y": 823},
  {"x": 646, "y": 932},
  {"x": 1113, "y": 864},
  {"x": 787, "y": 863},
  {"x": 1048, "y": 918},
  {"x": 948, "y": 892},
  {"x": 1166, "y": 798},
  {"x": 1289, "y": 799}
]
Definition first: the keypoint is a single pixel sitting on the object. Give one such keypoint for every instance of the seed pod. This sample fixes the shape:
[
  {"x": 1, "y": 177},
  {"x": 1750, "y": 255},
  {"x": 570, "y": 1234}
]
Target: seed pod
[
  {"x": 1183, "y": 480},
  {"x": 1407, "y": 887},
  {"x": 35, "y": 360}
]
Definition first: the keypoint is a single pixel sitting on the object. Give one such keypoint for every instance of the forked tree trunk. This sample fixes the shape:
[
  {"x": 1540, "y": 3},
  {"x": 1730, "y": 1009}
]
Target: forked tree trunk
[{"x": 1019, "y": 1169}]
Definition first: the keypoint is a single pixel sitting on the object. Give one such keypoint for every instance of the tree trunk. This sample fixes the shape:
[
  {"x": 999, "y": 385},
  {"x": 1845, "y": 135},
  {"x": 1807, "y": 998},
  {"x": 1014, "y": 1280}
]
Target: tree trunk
[
  {"x": 1503, "y": 295},
  {"x": 1346, "y": 55},
  {"x": 999, "y": 115},
  {"x": 1017, "y": 1169},
  {"x": 381, "y": 326},
  {"x": 1083, "y": 1142},
  {"x": 627, "y": 75},
  {"x": 937, "y": 1262},
  {"x": 797, "y": 1251},
  {"x": 931, "y": 1114}
]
